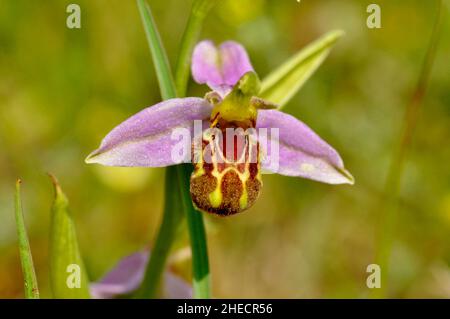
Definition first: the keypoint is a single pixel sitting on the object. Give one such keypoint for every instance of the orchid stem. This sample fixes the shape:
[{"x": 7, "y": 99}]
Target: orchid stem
[
  {"x": 390, "y": 214},
  {"x": 177, "y": 178},
  {"x": 172, "y": 218},
  {"x": 197, "y": 233},
  {"x": 200, "y": 9},
  {"x": 172, "y": 215}
]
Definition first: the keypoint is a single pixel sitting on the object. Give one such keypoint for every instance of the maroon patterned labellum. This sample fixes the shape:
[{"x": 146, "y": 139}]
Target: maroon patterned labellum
[{"x": 226, "y": 178}]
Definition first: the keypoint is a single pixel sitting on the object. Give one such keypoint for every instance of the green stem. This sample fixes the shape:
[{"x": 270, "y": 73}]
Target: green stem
[
  {"x": 197, "y": 234},
  {"x": 200, "y": 9},
  {"x": 172, "y": 217},
  {"x": 390, "y": 216},
  {"x": 29, "y": 275}
]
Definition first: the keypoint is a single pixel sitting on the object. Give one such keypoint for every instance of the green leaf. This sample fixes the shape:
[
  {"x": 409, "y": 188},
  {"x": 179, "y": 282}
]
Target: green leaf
[
  {"x": 29, "y": 275},
  {"x": 162, "y": 67},
  {"x": 200, "y": 9},
  {"x": 285, "y": 81},
  {"x": 68, "y": 276}
]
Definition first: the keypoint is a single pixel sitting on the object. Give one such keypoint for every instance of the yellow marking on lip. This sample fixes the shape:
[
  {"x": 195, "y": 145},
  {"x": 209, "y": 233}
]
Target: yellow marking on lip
[
  {"x": 243, "y": 201},
  {"x": 198, "y": 172},
  {"x": 215, "y": 197}
]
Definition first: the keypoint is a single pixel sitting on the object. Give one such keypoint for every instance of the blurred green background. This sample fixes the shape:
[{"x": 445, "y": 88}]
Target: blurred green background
[{"x": 62, "y": 90}]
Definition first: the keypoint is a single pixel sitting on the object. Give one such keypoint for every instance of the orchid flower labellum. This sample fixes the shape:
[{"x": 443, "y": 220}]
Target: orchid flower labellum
[{"x": 241, "y": 136}]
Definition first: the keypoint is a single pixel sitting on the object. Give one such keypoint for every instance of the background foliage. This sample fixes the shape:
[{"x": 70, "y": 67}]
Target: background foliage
[{"x": 61, "y": 90}]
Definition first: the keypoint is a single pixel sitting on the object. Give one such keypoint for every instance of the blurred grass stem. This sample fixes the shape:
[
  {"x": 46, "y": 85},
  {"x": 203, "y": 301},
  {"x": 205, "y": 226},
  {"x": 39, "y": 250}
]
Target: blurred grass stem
[{"x": 390, "y": 213}]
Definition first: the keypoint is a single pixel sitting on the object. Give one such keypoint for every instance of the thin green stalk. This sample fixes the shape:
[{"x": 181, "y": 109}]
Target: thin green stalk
[
  {"x": 172, "y": 210},
  {"x": 200, "y": 263},
  {"x": 29, "y": 275},
  {"x": 390, "y": 215},
  {"x": 199, "y": 11},
  {"x": 172, "y": 217},
  {"x": 197, "y": 234},
  {"x": 159, "y": 56}
]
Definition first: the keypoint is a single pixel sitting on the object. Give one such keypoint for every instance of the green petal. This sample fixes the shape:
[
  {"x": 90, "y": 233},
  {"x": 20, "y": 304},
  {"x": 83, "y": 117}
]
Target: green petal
[
  {"x": 29, "y": 276},
  {"x": 286, "y": 80},
  {"x": 68, "y": 276}
]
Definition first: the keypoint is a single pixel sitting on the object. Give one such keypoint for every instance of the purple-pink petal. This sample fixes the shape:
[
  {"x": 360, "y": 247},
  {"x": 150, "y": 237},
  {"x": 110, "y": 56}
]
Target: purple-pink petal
[
  {"x": 234, "y": 61},
  {"x": 301, "y": 151},
  {"x": 145, "y": 139},
  {"x": 127, "y": 276},
  {"x": 219, "y": 67}
]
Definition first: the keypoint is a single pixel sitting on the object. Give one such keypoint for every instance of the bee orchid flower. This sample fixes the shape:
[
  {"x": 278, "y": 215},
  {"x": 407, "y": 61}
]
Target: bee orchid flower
[{"x": 228, "y": 181}]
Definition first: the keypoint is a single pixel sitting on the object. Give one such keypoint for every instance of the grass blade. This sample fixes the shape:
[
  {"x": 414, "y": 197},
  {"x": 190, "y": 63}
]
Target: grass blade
[
  {"x": 68, "y": 277},
  {"x": 29, "y": 275},
  {"x": 160, "y": 61},
  {"x": 286, "y": 80}
]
